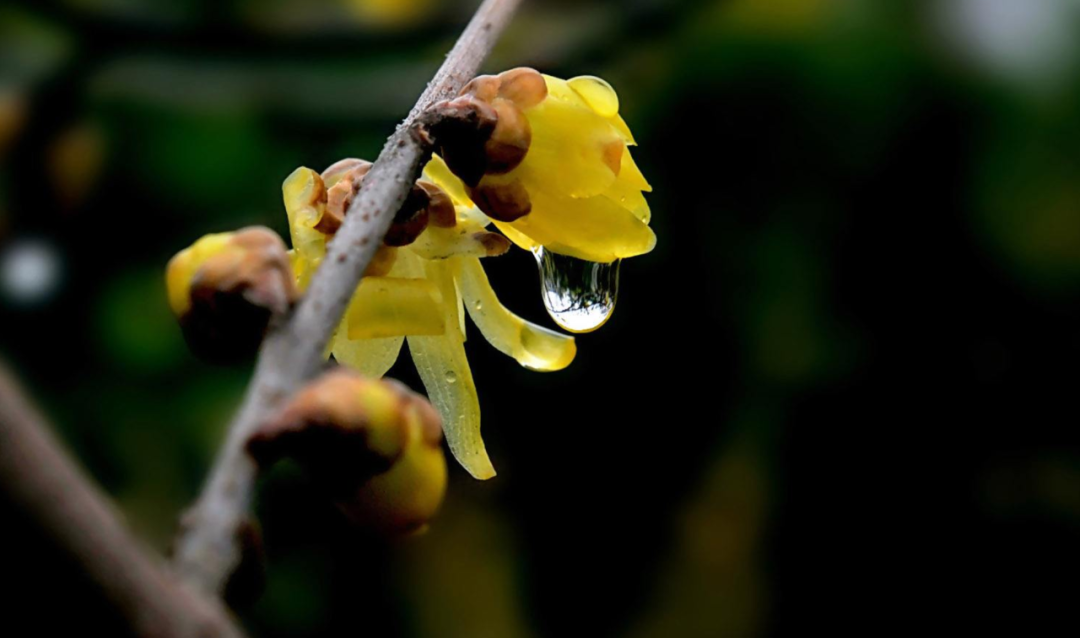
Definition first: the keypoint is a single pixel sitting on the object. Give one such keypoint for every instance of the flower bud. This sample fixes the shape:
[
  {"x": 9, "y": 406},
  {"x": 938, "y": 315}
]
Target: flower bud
[
  {"x": 523, "y": 86},
  {"x": 509, "y": 142},
  {"x": 372, "y": 445},
  {"x": 441, "y": 211},
  {"x": 502, "y": 202},
  {"x": 484, "y": 130},
  {"x": 410, "y": 220},
  {"x": 343, "y": 180},
  {"x": 461, "y": 128},
  {"x": 226, "y": 288}
]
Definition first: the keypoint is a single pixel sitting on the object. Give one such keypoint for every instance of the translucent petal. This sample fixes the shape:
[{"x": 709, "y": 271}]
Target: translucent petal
[
  {"x": 593, "y": 228},
  {"x": 533, "y": 346},
  {"x": 624, "y": 130},
  {"x": 520, "y": 239},
  {"x": 626, "y": 191},
  {"x": 631, "y": 174},
  {"x": 394, "y": 306},
  {"x": 445, "y": 372},
  {"x": 439, "y": 173},
  {"x": 569, "y": 144},
  {"x": 301, "y": 192},
  {"x": 371, "y": 357},
  {"x": 465, "y": 239}
]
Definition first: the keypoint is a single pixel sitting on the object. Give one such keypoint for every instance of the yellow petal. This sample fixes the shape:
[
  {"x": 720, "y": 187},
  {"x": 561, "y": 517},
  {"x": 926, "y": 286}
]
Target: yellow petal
[
  {"x": 464, "y": 239},
  {"x": 439, "y": 174},
  {"x": 626, "y": 191},
  {"x": 520, "y": 239},
  {"x": 301, "y": 191},
  {"x": 594, "y": 228},
  {"x": 445, "y": 371},
  {"x": 533, "y": 346},
  {"x": 370, "y": 357},
  {"x": 394, "y": 306},
  {"x": 624, "y": 130},
  {"x": 569, "y": 144}
]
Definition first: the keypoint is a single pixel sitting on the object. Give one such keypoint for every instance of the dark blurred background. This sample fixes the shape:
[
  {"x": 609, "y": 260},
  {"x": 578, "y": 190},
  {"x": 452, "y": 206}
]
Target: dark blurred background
[{"x": 839, "y": 396}]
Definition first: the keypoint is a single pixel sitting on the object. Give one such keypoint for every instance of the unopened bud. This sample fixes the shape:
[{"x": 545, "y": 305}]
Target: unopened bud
[
  {"x": 410, "y": 220},
  {"x": 504, "y": 202},
  {"x": 226, "y": 288},
  {"x": 509, "y": 142},
  {"x": 372, "y": 444},
  {"x": 343, "y": 180},
  {"x": 441, "y": 211}
]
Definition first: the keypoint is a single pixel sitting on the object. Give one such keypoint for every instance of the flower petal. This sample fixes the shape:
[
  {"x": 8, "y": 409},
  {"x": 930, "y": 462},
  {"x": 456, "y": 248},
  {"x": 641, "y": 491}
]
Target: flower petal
[
  {"x": 569, "y": 143},
  {"x": 533, "y": 346},
  {"x": 394, "y": 306},
  {"x": 445, "y": 372},
  {"x": 371, "y": 357},
  {"x": 464, "y": 239},
  {"x": 520, "y": 239},
  {"x": 439, "y": 173},
  {"x": 594, "y": 228},
  {"x": 303, "y": 191}
]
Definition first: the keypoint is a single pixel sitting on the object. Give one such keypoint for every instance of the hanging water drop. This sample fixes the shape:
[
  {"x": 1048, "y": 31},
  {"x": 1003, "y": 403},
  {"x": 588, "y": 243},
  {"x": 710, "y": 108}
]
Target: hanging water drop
[
  {"x": 451, "y": 377},
  {"x": 579, "y": 295}
]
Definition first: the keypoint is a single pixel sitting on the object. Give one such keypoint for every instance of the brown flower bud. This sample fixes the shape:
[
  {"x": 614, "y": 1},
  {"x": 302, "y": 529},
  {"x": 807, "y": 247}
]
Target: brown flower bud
[
  {"x": 484, "y": 131},
  {"x": 509, "y": 142},
  {"x": 441, "y": 211},
  {"x": 410, "y": 220},
  {"x": 226, "y": 288},
  {"x": 372, "y": 444},
  {"x": 523, "y": 86},
  {"x": 343, "y": 180},
  {"x": 502, "y": 202},
  {"x": 461, "y": 128},
  {"x": 483, "y": 87}
]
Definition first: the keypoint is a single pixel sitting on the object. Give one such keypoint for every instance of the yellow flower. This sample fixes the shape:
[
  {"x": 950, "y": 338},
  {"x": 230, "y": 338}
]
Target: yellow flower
[
  {"x": 558, "y": 173},
  {"x": 421, "y": 292}
]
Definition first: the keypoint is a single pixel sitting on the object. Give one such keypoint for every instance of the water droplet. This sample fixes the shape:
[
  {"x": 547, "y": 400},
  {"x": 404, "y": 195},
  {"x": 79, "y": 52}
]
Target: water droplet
[
  {"x": 478, "y": 305},
  {"x": 579, "y": 295},
  {"x": 597, "y": 93},
  {"x": 451, "y": 377}
]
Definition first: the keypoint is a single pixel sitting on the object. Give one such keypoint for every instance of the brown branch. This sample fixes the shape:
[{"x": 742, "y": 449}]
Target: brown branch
[
  {"x": 293, "y": 352},
  {"x": 58, "y": 499}
]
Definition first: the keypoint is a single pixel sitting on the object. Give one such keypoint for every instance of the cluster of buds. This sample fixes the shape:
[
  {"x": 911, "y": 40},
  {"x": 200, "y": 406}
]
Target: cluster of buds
[
  {"x": 425, "y": 204},
  {"x": 226, "y": 288},
  {"x": 485, "y": 132},
  {"x": 372, "y": 445}
]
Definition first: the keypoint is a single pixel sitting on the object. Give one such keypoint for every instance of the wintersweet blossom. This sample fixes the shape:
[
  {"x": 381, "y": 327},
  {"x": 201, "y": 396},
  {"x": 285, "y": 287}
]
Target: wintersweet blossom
[
  {"x": 420, "y": 292},
  {"x": 559, "y": 172}
]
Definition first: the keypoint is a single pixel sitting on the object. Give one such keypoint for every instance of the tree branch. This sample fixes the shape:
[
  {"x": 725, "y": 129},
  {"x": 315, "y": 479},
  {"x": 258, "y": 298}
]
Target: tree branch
[
  {"x": 59, "y": 499},
  {"x": 293, "y": 352}
]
